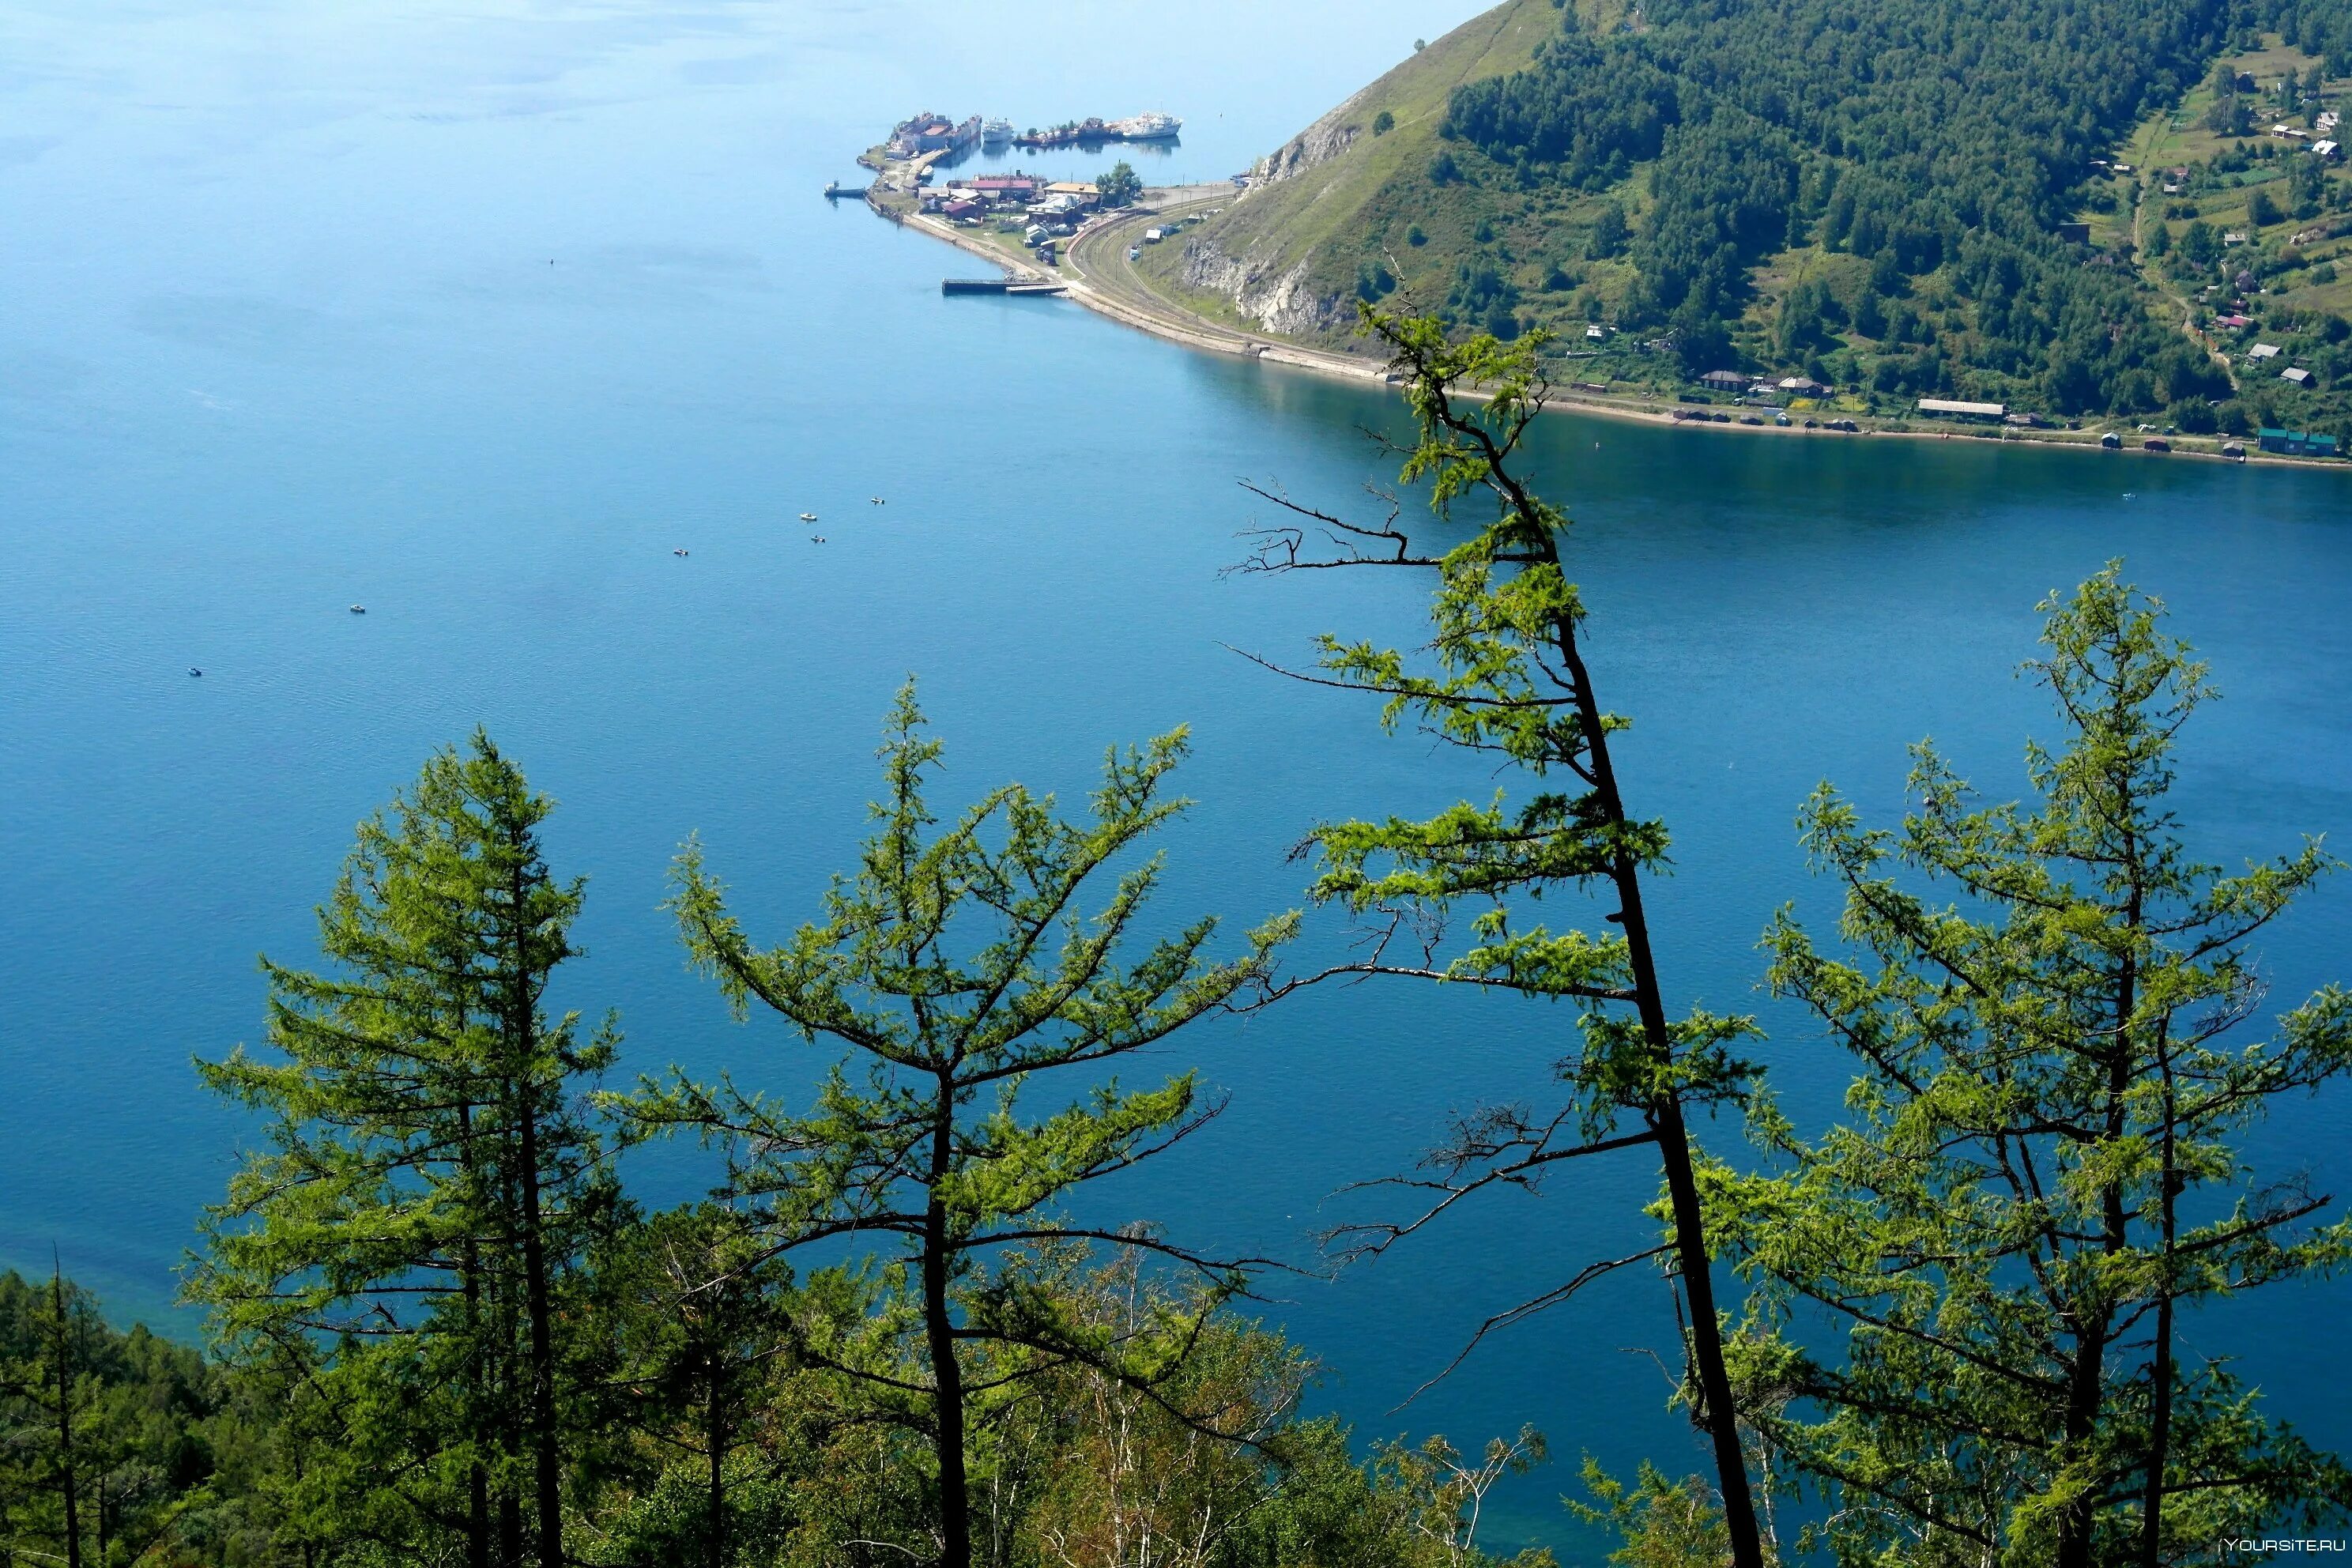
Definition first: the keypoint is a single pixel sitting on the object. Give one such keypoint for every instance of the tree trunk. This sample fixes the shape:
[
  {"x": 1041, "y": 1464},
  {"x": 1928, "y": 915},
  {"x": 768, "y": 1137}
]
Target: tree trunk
[
  {"x": 546, "y": 1458},
  {"x": 69, "y": 1481},
  {"x": 521, "y": 1030},
  {"x": 477, "y": 1475},
  {"x": 1666, "y": 1116},
  {"x": 947, "y": 1371},
  {"x": 2160, "y": 1434},
  {"x": 717, "y": 1437}
]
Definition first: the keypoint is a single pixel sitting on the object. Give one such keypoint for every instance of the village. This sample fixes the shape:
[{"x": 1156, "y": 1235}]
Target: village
[{"x": 1024, "y": 222}]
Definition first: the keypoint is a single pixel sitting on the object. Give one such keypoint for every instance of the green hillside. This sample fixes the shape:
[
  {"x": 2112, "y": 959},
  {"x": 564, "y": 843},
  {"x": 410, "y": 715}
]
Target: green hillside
[
  {"x": 1289, "y": 253},
  {"x": 1881, "y": 198}
]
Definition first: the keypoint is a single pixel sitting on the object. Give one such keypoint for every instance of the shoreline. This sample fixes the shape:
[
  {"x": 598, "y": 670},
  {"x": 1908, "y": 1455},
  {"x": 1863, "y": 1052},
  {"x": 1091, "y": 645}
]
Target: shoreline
[{"x": 1159, "y": 317}]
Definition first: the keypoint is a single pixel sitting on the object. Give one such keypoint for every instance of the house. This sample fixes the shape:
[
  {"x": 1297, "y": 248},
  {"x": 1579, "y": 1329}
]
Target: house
[
  {"x": 1803, "y": 387},
  {"x": 2263, "y": 351},
  {"x": 2073, "y": 233},
  {"x": 2027, "y": 421},
  {"x": 964, "y": 208},
  {"x": 1005, "y": 188},
  {"x": 2296, "y": 444},
  {"x": 2234, "y": 237},
  {"x": 2325, "y": 149},
  {"x": 1724, "y": 381},
  {"x": 1948, "y": 409},
  {"x": 2236, "y": 323},
  {"x": 2296, "y": 374}
]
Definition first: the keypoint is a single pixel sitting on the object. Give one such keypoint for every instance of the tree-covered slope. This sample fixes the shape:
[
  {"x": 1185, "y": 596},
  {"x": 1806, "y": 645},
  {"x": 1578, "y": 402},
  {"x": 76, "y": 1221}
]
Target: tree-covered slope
[
  {"x": 1288, "y": 252},
  {"x": 1878, "y": 197}
]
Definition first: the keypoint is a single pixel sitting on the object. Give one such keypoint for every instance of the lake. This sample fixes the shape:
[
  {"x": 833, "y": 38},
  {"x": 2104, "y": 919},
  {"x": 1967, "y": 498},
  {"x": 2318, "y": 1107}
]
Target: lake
[{"x": 474, "y": 315}]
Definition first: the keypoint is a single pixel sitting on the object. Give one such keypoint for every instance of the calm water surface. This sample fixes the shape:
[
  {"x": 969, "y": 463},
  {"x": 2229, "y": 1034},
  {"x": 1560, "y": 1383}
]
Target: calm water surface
[{"x": 475, "y": 314}]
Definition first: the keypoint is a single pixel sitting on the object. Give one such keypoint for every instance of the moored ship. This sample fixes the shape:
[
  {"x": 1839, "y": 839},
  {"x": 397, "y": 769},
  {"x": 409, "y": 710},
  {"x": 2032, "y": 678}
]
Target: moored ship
[
  {"x": 1148, "y": 127},
  {"x": 997, "y": 134}
]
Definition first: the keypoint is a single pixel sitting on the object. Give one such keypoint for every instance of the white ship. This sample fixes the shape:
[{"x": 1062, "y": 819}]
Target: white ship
[
  {"x": 997, "y": 134},
  {"x": 1148, "y": 127}
]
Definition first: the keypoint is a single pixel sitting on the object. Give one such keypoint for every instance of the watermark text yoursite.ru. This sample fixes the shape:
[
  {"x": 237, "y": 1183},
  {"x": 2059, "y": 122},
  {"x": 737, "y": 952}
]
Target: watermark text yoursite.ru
[{"x": 2233, "y": 1549}]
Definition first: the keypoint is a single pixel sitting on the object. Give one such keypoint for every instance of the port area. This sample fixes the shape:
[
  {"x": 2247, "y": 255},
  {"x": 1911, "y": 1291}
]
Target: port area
[{"x": 1089, "y": 261}]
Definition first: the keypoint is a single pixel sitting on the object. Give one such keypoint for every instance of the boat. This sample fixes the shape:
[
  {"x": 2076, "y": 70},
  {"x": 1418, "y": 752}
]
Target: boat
[
  {"x": 808, "y": 516},
  {"x": 359, "y": 609},
  {"x": 997, "y": 134},
  {"x": 1146, "y": 127},
  {"x": 195, "y": 671}
]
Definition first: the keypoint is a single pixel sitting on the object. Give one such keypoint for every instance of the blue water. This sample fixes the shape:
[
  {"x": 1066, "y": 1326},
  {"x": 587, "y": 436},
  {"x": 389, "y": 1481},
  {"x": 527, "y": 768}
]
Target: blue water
[{"x": 475, "y": 314}]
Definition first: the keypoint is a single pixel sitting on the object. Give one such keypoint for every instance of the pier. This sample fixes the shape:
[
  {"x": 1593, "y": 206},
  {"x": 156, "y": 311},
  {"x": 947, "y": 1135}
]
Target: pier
[
  {"x": 835, "y": 191},
  {"x": 1000, "y": 285}
]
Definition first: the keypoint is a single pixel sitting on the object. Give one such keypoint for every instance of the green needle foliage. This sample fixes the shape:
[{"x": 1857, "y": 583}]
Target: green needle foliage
[
  {"x": 117, "y": 1448},
  {"x": 2044, "y": 1161},
  {"x": 951, "y": 969},
  {"x": 1506, "y": 679},
  {"x": 429, "y": 1181}
]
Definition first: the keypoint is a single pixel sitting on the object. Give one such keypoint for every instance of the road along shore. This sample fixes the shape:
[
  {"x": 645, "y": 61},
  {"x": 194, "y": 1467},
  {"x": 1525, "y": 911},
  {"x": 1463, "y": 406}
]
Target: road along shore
[{"x": 1096, "y": 275}]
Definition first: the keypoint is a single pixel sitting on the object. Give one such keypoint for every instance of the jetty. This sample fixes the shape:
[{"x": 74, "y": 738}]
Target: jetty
[
  {"x": 835, "y": 190},
  {"x": 1000, "y": 285}
]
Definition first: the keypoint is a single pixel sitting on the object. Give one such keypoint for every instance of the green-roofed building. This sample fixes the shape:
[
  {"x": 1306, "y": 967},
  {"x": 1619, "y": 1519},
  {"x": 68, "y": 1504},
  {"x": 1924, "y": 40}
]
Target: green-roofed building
[{"x": 2297, "y": 444}]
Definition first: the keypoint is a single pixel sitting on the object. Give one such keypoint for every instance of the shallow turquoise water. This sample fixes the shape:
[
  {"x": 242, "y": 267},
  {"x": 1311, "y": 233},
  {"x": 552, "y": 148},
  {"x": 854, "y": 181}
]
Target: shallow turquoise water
[{"x": 476, "y": 316}]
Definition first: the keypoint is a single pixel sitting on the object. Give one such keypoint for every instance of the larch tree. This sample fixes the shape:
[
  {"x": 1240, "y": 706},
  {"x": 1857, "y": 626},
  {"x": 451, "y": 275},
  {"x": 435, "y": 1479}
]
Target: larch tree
[
  {"x": 698, "y": 1316},
  {"x": 955, "y": 971},
  {"x": 1507, "y": 680},
  {"x": 2053, "y": 1011},
  {"x": 430, "y": 1176}
]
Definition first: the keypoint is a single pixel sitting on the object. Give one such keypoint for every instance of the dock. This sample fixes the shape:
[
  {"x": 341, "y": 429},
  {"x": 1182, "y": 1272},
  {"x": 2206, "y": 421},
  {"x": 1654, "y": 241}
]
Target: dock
[
  {"x": 837, "y": 191},
  {"x": 1000, "y": 285}
]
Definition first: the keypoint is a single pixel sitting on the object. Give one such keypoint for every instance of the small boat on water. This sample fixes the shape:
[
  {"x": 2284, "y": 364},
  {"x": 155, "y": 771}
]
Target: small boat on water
[
  {"x": 677, "y": 552},
  {"x": 195, "y": 671},
  {"x": 359, "y": 609},
  {"x": 808, "y": 516},
  {"x": 878, "y": 501}
]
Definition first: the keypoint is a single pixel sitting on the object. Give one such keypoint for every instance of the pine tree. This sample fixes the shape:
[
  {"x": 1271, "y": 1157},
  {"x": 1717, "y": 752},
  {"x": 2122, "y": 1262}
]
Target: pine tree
[
  {"x": 956, "y": 970},
  {"x": 430, "y": 1177},
  {"x": 2043, "y": 1160},
  {"x": 1510, "y": 683}
]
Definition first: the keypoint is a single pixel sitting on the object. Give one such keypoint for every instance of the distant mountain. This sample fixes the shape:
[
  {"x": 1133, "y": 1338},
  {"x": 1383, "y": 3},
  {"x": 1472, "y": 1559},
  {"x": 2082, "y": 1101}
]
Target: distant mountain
[{"x": 1906, "y": 198}]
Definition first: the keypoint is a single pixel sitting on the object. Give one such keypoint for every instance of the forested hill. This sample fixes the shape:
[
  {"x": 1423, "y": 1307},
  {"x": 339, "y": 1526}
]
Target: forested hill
[{"x": 1884, "y": 197}]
